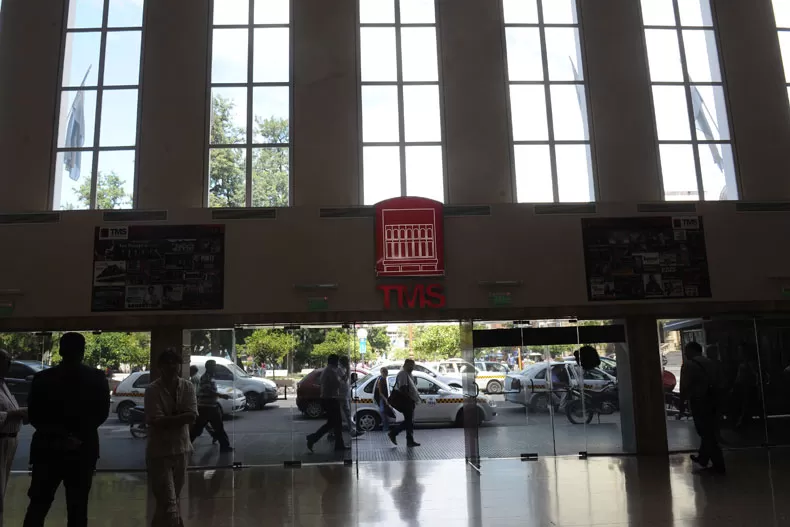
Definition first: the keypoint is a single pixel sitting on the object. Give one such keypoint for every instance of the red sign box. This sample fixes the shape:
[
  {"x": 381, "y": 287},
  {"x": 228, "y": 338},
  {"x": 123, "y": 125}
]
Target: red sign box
[{"x": 409, "y": 237}]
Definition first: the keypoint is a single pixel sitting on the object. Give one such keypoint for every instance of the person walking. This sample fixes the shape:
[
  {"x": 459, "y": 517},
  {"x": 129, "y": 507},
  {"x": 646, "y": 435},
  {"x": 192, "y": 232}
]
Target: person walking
[
  {"x": 330, "y": 400},
  {"x": 381, "y": 394},
  {"x": 345, "y": 395},
  {"x": 65, "y": 445},
  {"x": 11, "y": 417},
  {"x": 208, "y": 410},
  {"x": 700, "y": 384},
  {"x": 195, "y": 380},
  {"x": 170, "y": 408},
  {"x": 404, "y": 383}
]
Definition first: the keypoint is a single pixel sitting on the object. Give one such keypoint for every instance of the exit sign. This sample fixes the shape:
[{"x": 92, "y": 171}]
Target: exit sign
[
  {"x": 318, "y": 303},
  {"x": 500, "y": 299}
]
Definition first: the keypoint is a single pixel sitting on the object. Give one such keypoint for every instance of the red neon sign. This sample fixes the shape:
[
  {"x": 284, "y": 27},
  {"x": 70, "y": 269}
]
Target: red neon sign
[{"x": 420, "y": 296}]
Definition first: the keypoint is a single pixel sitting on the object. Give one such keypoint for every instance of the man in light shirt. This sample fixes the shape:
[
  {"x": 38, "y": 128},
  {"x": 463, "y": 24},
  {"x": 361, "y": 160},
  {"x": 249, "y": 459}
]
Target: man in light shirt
[
  {"x": 11, "y": 417},
  {"x": 330, "y": 399},
  {"x": 405, "y": 383}
]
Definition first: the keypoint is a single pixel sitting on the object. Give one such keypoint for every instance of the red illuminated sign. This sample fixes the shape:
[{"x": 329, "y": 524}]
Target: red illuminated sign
[
  {"x": 409, "y": 237},
  {"x": 430, "y": 296}
]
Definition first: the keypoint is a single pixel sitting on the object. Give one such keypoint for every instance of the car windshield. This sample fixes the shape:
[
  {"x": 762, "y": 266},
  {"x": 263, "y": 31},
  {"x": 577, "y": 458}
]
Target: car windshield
[
  {"x": 238, "y": 372},
  {"x": 366, "y": 378},
  {"x": 38, "y": 366}
]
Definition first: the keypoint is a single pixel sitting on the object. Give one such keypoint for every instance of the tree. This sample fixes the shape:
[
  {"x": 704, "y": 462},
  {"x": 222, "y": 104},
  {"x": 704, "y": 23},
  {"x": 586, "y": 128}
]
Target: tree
[
  {"x": 227, "y": 179},
  {"x": 27, "y": 346},
  {"x": 268, "y": 345},
  {"x": 110, "y": 193},
  {"x": 436, "y": 342},
  {"x": 337, "y": 341},
  {"x": 113, "y": 349},
  {"x": 271, "y": 165}
]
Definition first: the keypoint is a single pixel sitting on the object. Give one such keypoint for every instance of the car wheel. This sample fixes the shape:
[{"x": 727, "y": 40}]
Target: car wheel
[
  {"x": 540, "y": 403},
  {"x": 313, "y": 409},
  {"x": 368, "y": 420},
  {"x": 494, "y": 387},
  {"x": 253, "y": 401},
  {"x": 124, "y": 410}
]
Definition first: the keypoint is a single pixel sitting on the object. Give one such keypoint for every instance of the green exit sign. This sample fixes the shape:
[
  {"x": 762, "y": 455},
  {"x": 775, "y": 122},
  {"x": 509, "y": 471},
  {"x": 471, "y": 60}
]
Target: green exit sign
[
  {"x": 6, "y": 309},
  {"x": 318, "y": 303},
  {"x": 500, "y": 299}
]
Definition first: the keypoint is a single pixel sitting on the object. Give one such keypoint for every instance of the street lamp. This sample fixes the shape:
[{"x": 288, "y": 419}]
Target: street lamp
[{"x": 362, "y": 333}]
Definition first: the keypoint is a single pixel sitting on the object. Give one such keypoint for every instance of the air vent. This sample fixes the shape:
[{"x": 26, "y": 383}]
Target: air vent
[
  {"x": 32, "y": 217},
  {"x": 127, "y": 216},
  {"x": 745, "y": 206},
  {"x": 349, "y": 212},
  {"x": 675, "y": 208},
  {"x": 244, "y": 214},
  {"x": 474, "y": 210},
  {"x": 566, "y": 208}
]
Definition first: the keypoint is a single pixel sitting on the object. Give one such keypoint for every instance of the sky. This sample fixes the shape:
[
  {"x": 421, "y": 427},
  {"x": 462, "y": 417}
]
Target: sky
[{"x": 422, "y": 118}]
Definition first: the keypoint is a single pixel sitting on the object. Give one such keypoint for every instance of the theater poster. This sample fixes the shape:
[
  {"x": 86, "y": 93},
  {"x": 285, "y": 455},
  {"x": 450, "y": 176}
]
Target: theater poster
[
  {"x": 645, "y": 258},
  {"x": 158, "y": 268}
]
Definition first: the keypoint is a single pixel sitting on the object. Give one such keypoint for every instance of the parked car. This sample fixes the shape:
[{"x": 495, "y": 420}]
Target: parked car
[
  {"x": 308, "y": 391},
  {"x": 441, "y": 403},
  {"x": 20, "y": 376},
  {"x": 453, "y": 381},
  {"x": 530, "y": 386},
  {"x": 131, "y": 392},
  {"x": 489, "y": 376},
  {"x": 259, "y": 391}
]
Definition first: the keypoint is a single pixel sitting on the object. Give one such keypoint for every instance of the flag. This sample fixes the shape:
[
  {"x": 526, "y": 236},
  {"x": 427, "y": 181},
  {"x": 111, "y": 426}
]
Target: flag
[
  {"x": 703, "y": 125},
  {"x": 75, "y": 136}
]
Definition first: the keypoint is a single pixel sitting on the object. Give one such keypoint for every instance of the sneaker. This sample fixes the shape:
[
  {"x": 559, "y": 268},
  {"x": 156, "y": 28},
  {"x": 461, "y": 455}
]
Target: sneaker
[
  {"x": 310, "y": 443},
  {"x": 412, "y": 443},
  {"x": 392, "y": 438}
]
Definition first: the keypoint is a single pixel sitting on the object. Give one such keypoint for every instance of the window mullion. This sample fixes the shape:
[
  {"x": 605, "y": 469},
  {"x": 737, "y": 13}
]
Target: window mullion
[
  {"x": 401, "y": 109},
  {"x": 544, "y": 53},
  {"x": 99, "y": 101}
]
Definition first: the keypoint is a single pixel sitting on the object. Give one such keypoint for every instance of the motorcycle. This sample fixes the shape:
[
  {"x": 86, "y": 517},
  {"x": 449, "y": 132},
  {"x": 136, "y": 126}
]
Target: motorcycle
[
  {"x": 137, "y": 426},
  {"x": 604, "y": 402}
]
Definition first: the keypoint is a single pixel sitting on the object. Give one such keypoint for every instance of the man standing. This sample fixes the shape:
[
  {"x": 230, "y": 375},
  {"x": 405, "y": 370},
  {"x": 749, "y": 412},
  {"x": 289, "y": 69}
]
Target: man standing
[
  {"x": 11, "y": 416},
  {"x": 330, "y": 399},
  {"x": 404, "y": 382},
  {"x": 345, "y": 395},
  {"x": 700, "y": 384},
  {"x": 65, "y": 446},
  {"x": 208, "y": 411},
  {"x": 381, "y": 394},
  {"x": 170, "y": 408}
]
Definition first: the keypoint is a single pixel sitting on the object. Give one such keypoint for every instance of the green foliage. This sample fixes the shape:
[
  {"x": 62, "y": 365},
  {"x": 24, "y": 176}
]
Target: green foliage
[
  {"x": 378, "y": 341},
  {"x": 436, "y": 342},
  {"x": 337, "y": 341},
  {"x": 114, "y": 349},
  {"x": 268, "y": 345},
  {"x": 26, "y": 346},
  {"x": 110, "y": 193}
]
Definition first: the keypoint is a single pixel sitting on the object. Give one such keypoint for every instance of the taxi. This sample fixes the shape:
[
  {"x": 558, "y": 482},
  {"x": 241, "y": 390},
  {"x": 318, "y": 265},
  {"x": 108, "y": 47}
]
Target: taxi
[
  {"x": 489, "y": 376},
  {"x": 441, "y": 403},
  {"x": 534, "y": 387}
]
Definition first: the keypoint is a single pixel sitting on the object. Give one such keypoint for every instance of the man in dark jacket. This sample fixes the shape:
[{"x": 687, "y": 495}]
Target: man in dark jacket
[{"x": 66, "y": 406}]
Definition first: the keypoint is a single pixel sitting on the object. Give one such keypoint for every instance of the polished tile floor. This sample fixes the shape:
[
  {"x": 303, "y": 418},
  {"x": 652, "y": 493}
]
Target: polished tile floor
[{"x": 654, "y": 492}]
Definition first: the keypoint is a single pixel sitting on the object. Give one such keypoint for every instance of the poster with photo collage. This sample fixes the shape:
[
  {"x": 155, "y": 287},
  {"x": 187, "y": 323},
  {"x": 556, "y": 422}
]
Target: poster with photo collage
[
  {"x": 645, "y": 258},
  {"x": 158, "y": 267}
]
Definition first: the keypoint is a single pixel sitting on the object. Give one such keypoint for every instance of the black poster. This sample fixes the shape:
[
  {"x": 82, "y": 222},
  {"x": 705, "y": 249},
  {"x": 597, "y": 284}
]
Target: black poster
[
  {"x": 645, "y": 258},
  {"x": 158, "y": 267}
]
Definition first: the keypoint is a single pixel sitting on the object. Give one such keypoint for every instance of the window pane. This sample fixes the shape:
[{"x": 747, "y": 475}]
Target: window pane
[
  {"x": 228, "y": 116},
  {"x": 229, "y": 55},
  {"x": 378, "y": 56},
  {"x": 270, "y": 177},
  {"x": 271, "y": 55},
  {"x": 533, "y": 174},
  {"x": 524, "y": 58},
  {"x": 231, "y": 12},
  {"x": 710, "y": 113},
  {"x": 77, "y": 119},
  {"x": 678, "y": 172},
  {"x": 417, "y": 12},
  {"x": 226, "y": 177},
  {"x": 85, "y": 14},
  {"x": 658, "y": 12},
  {"x": 574, "y": 173},
  {"x": 782, "y": 13},
  {"x": 122, "y": 58},
  {"x": 119, "y": 118},
  {"x": 528, "y": 109},
  {"x": 125, "y": 14},
  {"x": 381, "y": 168},
  {"x": 520, "y": 11},
  {"x": 418, "y": 52},
  {"x": 272, "y": 12},
  {"x": 81, "y": 59},
  {"x": 701, "y": 55},
  {"x": 559, "y": 12},
  {"x": 569, "y": 112},
  {"x": 73, "y": 181},
  {"x": 380, "y": 121},
  {"x": 784, "y": 43},
  {"x": 424, "y": 173},
  {"x": 421, "y": 113},
  {"x": 270, "y": 111},
  {"x": 671, "y": 109},
  {"x": 115, "y": 185},
  {"x": 377, "y": 11},
  {"x": 716, "y": 163},
  {"x": 695, "y": 13},
  {"x": 663, "y": 55},
  {"x": 564, "y": 55}
]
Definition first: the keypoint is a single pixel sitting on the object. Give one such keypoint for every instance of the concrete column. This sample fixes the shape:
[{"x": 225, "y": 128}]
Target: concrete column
[
  {"x": 642, "y": 415},
  {"x": 31, "y": 39},
  {"x": 163, "y": 338},
  {"x": 759, "y": 113},
  {"x": 474, "y": 89},
  {"x": 626, "y": 153},
  {"x": 172, "y": 156},
  {"x": 325, "y": 133}
]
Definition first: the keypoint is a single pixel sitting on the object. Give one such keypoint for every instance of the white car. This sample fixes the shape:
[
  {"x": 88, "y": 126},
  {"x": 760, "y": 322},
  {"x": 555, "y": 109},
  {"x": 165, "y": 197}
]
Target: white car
[
  {"x": 530, "y": 386},
  {"x": 441, "y": 403},
  {"x": 395, "y": 367},
  {"x": 489, "y": 376},
  {"x": 131, "y": 392},
  {"x": 259, "y": 391}
]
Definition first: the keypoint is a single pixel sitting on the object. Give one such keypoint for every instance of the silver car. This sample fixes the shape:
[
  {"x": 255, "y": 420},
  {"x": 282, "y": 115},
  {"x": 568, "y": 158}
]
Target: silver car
[{"x": 531, "y": 387}]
